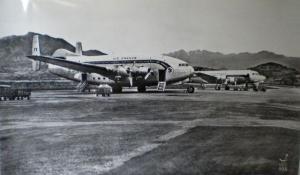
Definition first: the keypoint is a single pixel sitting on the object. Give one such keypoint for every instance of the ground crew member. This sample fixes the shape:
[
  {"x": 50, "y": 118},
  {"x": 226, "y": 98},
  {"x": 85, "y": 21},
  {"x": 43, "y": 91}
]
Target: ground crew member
[{"x": 283, "y": 165}]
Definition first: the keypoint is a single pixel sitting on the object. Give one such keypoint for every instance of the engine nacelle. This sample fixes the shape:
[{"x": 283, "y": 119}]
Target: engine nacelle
[
  {"x": 141, "y": 70},
  {"x": 131, "y": 70},
  {"x": 121, "y": 70}
]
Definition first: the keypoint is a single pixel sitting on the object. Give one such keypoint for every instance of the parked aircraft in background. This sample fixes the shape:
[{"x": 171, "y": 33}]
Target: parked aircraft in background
[
  {"x": 116, "y": 71},
  {"x": 233, "y": 78}
]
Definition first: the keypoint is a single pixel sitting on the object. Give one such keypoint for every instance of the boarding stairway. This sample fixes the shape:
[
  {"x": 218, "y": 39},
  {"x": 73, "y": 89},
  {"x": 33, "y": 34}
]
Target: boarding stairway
[
  {"x": 161, "y": 86},
  {"x": 82, "y": 86}
]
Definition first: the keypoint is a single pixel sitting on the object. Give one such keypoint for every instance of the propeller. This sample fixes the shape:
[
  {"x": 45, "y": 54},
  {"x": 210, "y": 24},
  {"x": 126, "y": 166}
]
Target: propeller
[
  {"x": 148, "y": 74},
  {"x": 134, "y": 71},
  {"x": 130, "y": 81},
  {"x": 130, "y": 78}
]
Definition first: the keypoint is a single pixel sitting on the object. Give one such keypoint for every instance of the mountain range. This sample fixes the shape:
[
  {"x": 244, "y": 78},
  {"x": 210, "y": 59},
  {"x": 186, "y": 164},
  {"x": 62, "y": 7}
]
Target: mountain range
[{"x": 244, "y": 60}]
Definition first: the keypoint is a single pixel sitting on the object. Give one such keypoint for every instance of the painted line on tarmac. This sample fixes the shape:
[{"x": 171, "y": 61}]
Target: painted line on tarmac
[
  {"x": 27, "y": 125},
  {"x": 241, "y": 121},
  {"x": 117, "y": 161}
]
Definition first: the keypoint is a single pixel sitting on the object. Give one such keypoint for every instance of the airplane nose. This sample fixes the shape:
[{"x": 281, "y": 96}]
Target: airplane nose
[{"x": 263, "y": 78}]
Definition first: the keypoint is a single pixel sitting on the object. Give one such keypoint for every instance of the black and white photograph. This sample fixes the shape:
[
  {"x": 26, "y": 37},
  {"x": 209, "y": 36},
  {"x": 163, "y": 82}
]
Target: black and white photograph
[{"x": 149, "y": 87}]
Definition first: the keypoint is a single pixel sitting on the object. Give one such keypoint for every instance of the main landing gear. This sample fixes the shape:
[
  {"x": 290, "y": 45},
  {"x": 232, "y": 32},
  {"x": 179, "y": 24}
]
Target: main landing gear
[{"x": 190, "y": 89}]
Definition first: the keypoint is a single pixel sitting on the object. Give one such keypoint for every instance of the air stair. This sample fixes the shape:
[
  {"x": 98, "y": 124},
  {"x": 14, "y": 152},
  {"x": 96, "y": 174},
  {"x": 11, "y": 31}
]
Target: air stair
[
  {"x": 161, "y": 86},
  {"x": 82, "y": 86}
]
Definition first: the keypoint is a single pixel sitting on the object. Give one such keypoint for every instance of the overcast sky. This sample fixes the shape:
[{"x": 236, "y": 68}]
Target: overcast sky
[{"x": 160, "y": 26}]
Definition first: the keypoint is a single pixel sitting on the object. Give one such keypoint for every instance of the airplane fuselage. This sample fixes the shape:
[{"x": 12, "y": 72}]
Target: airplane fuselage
[
  {"x": 164, "y": 68},
  {"x": 236, "y": 75}
]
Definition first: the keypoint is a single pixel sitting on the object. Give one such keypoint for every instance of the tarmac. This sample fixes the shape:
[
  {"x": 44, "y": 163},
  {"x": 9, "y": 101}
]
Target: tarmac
[{"x": 208, "y": 132}]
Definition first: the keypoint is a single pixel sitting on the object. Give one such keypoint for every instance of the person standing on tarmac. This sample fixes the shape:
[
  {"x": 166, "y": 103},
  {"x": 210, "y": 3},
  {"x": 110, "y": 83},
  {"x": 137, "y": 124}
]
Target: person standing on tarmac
[{"x": 283, "y": 165}]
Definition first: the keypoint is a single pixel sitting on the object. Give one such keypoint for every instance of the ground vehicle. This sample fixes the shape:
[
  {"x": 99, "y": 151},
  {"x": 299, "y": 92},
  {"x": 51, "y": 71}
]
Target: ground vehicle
[
  {"x": 9, "y": 93},
  {"x": 104, "y": 89}
]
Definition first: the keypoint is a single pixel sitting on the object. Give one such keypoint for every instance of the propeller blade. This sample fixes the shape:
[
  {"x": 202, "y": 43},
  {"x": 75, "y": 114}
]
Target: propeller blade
[
  {"x": 130, "y": 80},
  {"x": 148, "y": 74}
]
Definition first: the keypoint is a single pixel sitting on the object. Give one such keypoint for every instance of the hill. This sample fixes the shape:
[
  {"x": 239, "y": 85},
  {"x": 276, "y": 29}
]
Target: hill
[
  {"x": 13, "y": 51},
  {"x": 244, "y": 60},
  {"x": 278, "y": 74}
]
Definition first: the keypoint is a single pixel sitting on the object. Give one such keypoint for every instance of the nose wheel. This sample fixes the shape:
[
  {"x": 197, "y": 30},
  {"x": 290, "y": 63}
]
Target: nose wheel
[{"x": 190, "y": 89}]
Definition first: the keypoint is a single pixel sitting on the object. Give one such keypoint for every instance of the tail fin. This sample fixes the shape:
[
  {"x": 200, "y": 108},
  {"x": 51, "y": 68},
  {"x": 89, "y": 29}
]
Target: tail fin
[
  {"x": 36, "y": 52},
  {"x": 36, "y": 46},
  {"x": 78, "y": 48}
]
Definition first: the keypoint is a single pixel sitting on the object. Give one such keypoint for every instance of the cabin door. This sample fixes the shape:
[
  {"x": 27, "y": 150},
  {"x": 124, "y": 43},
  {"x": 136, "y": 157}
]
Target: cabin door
[
  {"x": 162, "y": 75},
  {"x": 83, "y": 77}
]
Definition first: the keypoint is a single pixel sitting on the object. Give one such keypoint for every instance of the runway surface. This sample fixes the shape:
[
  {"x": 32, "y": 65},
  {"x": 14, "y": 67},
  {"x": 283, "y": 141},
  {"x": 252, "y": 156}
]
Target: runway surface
[{"x": 208, "y": 132}]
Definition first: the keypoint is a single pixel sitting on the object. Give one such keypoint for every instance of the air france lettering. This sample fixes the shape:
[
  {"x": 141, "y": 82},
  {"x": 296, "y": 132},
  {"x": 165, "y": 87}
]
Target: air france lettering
[{"x": 124, "y": 58}]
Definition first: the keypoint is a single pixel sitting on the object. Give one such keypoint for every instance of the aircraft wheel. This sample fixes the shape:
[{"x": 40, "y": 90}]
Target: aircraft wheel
[
  {"x": 141, "y": 88},
  {"x": 190, "y": 89},
  {"x": 263, "y": 89},
  {"x": 227, "y": 88},
  {"x": 218, "y": 87}
]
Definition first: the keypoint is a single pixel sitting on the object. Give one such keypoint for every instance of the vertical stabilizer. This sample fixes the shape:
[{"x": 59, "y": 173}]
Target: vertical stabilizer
[
  {"x": 36, "y": 52},
  {"x": 78, "y": 50},
  {"x": 36, "y": 46}
]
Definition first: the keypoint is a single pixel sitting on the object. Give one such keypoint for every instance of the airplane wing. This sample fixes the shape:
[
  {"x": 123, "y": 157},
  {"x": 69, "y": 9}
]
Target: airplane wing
[
  {"x": 82, "y": 67},
  {"x": 205, "y": 77},
  {"x": 197, "y": 79}
]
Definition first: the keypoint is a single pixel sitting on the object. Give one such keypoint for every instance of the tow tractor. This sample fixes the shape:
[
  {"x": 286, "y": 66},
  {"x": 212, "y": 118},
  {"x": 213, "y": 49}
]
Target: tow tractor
[{"x": 9, "y": 93}]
